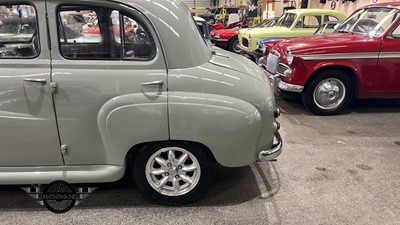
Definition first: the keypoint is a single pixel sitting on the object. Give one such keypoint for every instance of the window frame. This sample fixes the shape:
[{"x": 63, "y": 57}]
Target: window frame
[
  {"x": 39, "y": 47},
  {"x": 59, "y": 19},
  {"x": 135, "y": 15},
  {"x": 393, "y": 30},
  {"x": 302, "y": 19}
]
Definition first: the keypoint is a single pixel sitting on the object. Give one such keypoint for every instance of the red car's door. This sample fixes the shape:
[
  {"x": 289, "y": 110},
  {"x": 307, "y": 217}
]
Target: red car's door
[{"x": 387, "y": 81}]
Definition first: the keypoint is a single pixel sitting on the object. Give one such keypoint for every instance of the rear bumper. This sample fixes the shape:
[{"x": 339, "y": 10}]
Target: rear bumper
[{"x": 274, "y": 151}]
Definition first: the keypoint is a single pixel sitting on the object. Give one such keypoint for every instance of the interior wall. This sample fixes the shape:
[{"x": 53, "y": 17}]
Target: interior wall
[
  {"x": 347, "y": 7},
  {"x": 197, "y": 3}
]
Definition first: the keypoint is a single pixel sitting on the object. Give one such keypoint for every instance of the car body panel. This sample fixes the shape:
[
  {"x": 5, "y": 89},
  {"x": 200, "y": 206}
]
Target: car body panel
[
  {"x": 88, "y": 83},
  {"x": 200, "y": 91},
  {"x": 27, "y": 107},
  {"x": 387, "y": 80}
]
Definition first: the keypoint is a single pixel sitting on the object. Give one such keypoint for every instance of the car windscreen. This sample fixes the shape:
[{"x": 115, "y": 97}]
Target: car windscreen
[
  {"x": 372, "y": 21},
  {"x": 286, "y": 20}
]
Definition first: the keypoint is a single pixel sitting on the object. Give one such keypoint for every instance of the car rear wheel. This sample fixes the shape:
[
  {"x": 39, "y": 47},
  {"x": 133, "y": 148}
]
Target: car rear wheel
[
  {"x": 328, "y": 93},
  {"x": 174, "y": 172},
  {"x": 234, "y": 45}
]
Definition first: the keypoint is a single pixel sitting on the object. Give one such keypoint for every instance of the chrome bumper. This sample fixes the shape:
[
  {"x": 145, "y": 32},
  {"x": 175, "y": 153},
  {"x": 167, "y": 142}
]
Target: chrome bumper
[
  {"x": 290, "y": 87},
  {"x": 274, "y": 152},
  {"x": 219, "y": 40},
  {"x": 277, "y": 83}
]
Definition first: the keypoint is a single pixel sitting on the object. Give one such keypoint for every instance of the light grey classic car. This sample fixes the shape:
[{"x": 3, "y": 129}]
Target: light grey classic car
[{"x": 153, "y": 98}]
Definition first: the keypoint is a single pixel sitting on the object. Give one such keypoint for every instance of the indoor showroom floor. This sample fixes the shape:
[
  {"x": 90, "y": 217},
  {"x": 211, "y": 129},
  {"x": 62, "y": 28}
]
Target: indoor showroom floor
[{"x": 334, "y": 170}]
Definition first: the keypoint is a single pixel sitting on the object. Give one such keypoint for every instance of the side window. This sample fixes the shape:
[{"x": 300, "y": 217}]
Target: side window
[
  {"x": 201, "y": 28},
  {"x": 138, "y": 43},
  {"x": 396, "y": 32},
  {"x": 330, "y": 18},
  {"x": 96, "y": 33},
  {"x": 18, "y": 31},
  {"x": 74, "y": 28},
  {"x": 309, "y": 22}
]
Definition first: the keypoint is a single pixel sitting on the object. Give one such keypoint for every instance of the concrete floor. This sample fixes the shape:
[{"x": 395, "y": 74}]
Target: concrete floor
[{"x": 334, "y": 170}]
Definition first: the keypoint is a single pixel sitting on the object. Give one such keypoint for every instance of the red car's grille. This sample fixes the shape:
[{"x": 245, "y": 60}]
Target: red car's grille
[{"x": 281, "y": 69}]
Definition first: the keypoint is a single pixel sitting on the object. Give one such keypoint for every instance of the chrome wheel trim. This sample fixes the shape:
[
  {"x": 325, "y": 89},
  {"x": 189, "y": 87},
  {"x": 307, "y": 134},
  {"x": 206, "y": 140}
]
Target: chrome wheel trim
[
  {"x": 329, "y": 94},
  {"x": 235, "y": 46},
  {"x": 171, "y": 175}
]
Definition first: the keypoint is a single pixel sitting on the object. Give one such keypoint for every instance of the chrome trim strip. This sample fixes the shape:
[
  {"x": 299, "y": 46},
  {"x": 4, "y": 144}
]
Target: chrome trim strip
[
  {"x": 221, "y": 40},
  {"x": 369, "y": 55},
  {"x": 290, "y": 87},
  {"x": 389, "y": 55}
]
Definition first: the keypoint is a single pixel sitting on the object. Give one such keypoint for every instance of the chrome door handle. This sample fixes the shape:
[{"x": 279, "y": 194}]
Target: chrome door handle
[
  {"x": 40, "y": 81},
  {"x": 158, "y": 82}
]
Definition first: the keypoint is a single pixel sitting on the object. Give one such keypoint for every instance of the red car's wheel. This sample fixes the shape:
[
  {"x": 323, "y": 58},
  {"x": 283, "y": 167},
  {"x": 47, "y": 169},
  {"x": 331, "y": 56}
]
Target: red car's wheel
[
  {"x": 328, "y": 93},
  {"x": 234, "y": 45}
]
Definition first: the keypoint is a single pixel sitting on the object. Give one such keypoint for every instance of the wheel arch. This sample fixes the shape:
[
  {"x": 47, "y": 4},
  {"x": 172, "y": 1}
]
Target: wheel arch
[
  {"x": 234, "y": 36},
  {"x": 134, "y": 150},
  {"x": 345, "y": 69}
]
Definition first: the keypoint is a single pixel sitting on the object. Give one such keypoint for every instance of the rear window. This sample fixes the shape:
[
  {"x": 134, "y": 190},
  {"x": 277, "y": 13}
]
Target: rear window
[{"x": 18, "y": 31}]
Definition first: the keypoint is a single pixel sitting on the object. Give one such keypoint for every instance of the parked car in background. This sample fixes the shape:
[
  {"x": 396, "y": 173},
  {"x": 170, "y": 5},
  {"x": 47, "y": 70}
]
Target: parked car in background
[
  {"x": 326, "y": 28},
  {"x": 228, "y": 38},
  {"x": 209, "y": 14},
  {"x": 293, "y": 23},
  {"x": 75, "y": 21},
  {"x": 156, "y": 100},
  {"x": 214, "y": 14},
  {"x": 359, "y": 60}
]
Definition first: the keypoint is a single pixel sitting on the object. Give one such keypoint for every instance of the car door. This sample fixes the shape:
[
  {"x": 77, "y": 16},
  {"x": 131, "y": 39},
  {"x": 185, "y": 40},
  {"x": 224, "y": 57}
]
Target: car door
[
  {"x": 122, "y": 67},
  {"x": 387, "y": 81},
  {"x": 28, "y": 134}
]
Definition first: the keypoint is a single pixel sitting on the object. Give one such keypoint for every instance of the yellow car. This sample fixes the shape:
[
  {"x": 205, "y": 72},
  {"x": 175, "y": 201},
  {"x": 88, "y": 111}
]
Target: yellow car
[{"x": 297, "y": 22}]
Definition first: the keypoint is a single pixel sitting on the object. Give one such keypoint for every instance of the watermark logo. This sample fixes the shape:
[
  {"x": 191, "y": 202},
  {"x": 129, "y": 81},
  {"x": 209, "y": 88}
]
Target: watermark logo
[{"x": 58, "y": 196}]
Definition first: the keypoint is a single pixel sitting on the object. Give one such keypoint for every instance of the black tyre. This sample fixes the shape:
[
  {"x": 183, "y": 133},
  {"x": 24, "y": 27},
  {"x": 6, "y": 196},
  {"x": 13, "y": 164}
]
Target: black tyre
[
  {"x": 328, "y": 93},
  {"x": 234, "y": 45},
  {"x": 173, "y": 172}
]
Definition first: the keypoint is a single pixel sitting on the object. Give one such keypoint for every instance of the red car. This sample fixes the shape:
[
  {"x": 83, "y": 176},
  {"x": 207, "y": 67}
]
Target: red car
[
  {"x": 228, "y": 38},
  {"x": 360, "y": 60}
]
